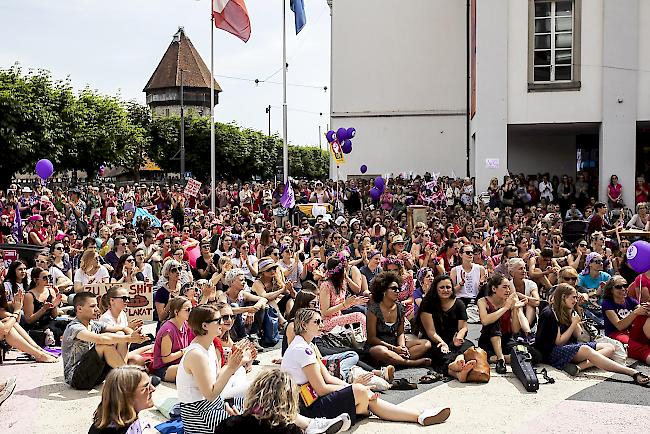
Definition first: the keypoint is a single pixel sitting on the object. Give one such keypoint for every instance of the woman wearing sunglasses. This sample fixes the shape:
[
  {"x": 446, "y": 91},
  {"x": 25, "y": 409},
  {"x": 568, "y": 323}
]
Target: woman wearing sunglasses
[
  {"x": 619, "y": 309},
  {"x": 41, "y": 304},
  {"x": 169, "y": 286},
  {"x": 126, "y": 271}
]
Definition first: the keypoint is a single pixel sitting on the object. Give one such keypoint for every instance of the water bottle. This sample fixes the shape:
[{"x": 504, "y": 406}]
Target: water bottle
[{"x": 49, "y": 338}]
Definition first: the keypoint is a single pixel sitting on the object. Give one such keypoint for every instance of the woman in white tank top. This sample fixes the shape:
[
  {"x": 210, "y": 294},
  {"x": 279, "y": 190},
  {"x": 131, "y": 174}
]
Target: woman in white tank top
[{"x": 468, "y": 276}]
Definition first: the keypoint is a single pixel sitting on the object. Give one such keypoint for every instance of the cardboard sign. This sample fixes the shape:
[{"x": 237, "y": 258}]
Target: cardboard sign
[
  {"x": 9, "y": 257},
  {"x": 192, "y": 188},
  {"x": 492, "y": 163},
  {"x": 141, "y": 304}
]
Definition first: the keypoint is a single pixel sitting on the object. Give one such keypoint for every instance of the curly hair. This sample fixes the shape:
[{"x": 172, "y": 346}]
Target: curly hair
[
  {"x": 273, "y": 397},
  {"x": 381, "y": 282},
  {"x": 232, "y": 275}
]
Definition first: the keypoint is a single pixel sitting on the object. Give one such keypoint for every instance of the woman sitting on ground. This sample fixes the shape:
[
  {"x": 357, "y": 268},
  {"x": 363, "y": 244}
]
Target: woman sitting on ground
[
  {"x": 387, "y": 344},
  {"x": 90, "y": 271},
  {"x": 172, "y": 340},
  {"x": 332, "y": 297},
  {"x": 619, "y": 309},
  {"x": 501, "y": 314},
  {"x": 199, "y": 377},
  {"x": 407, "y": 285},
  {"x": 557, "y": 339},
  {"x": 425, "y": 281},
  {"x": 127, "y": 391},
  {"x": 349, "y": 365},
  {"x": 169, "y": 287},
  {"x": 334, "y": 396},
  {"x": 442, "y": 319},
  {"x": 12, "y": 333},
  {"x": 40, "y": 305}
]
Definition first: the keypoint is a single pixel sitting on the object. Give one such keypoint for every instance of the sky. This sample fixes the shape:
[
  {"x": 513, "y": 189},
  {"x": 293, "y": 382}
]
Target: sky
[{"x": 114, "y": 47}]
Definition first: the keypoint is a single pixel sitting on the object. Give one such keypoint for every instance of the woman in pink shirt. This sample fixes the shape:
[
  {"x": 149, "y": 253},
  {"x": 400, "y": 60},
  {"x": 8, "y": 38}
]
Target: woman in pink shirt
[
  {"x": 614, "y": 193},
  {"x": 172, "y": 339}
]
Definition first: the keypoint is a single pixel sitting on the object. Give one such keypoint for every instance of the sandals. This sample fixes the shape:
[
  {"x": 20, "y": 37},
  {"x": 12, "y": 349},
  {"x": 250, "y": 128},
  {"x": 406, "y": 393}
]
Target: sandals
[
  {"x": 430, "y": 377},
  {"x": 403, "y": 384},
  {"x": 641, "y": 379}
]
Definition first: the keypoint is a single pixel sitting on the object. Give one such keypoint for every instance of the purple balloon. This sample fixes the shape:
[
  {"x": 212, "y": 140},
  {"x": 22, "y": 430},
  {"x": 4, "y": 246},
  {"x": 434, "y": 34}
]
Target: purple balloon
[
  {"x": 341, "y": 134},
  {"x": 351, "y": 133},
  {"x": 44, "y": 168},
  {"x": 364, "y": 168},
  {"x": 380, "y": 183},
  {"x": 346, "y": 147},
  {"x": 375, "y": 194},
  {"x": 330, "y": 136},
  {"x": 638, "y": 256}
]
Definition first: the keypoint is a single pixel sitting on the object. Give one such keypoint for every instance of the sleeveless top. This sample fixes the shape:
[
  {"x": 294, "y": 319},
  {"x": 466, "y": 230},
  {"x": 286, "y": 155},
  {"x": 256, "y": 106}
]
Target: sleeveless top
[
  {"x": 385, "y": 331},
  {"x": 186, "y": 385},
  {"x": 504, "y": 321},
  {"x": 44, "y": 320},
  {"x": 472, "y": 281}
]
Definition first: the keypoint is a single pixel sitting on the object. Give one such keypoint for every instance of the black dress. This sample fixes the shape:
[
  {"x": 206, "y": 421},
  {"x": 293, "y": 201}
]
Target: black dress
[{"x": 446, "y": 324}]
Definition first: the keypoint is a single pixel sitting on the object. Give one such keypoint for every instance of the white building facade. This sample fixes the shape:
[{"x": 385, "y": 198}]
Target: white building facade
[{"x": 498, "y": 86}]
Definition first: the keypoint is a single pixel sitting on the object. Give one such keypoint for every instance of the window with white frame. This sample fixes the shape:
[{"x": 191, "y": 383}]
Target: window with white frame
[{"x": 553, "y": 41}]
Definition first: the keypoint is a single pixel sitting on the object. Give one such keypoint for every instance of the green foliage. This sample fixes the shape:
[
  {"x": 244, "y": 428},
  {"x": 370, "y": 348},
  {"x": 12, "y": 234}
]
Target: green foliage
[{"x": 42, "y": 118}]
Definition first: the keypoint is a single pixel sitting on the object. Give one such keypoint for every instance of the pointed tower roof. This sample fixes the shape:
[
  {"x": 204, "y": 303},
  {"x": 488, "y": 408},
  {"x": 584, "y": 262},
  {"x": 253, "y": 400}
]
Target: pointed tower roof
[{"x": 181, "y": 54}]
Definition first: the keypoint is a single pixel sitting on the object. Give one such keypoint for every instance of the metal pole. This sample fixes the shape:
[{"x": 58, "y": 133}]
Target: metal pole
[
  {"x": 182, "y": 132},
  {"x": 285, "y": 145},
  {"x": 320, "y": 142},
  {"x": 213, "y": 187}
]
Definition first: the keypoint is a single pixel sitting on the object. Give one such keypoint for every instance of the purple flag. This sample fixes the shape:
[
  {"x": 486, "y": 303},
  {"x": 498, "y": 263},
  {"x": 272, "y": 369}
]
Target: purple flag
[
  {"x": 17, "y": 229},
  {"x": 288, "y": 199}
]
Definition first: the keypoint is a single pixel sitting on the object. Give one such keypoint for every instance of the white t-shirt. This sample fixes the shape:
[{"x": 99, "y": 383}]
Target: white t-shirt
[
  {"x": 236, "y": 263},
  {"x": 298, "y": 355},
  {"x": 107, "y": 319},
  {"x": 100, "y": 275},
  {"x": 529, "y": 285}
]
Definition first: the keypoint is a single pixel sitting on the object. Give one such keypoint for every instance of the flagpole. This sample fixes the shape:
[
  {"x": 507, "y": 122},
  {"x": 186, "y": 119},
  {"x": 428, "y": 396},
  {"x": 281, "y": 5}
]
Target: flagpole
[
  {"x": 213, "y": 187},
  {"x": 285, "y": 146}
]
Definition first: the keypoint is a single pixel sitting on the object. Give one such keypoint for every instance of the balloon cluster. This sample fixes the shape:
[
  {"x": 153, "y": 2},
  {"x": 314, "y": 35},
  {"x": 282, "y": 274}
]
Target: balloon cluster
[
  {"x": 44, "y": 169},
  {"x": 342, "y": 136},
  {"x": 378, "y": 189}
]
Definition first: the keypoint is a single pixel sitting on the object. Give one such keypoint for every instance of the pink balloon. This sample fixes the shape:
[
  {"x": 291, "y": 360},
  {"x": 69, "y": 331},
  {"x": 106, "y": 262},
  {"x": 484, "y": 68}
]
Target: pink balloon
[{"x": 193, "y": 254}]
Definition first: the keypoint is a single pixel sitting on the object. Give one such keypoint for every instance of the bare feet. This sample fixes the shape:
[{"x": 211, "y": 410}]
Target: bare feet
[
  {"x": 46, "y": 358},
  {"x": 464, "y": 372},
  {"x": 422, "y": 362}
]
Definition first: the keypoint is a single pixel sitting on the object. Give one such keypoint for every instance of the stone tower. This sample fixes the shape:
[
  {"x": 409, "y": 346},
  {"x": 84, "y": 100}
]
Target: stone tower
[{"x": 180, "y": 62}]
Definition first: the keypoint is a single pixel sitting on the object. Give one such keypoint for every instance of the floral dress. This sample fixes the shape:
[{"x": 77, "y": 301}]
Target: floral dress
[
  {"x": 408, "y": 287},
  {"x": 339, "y": 318}
]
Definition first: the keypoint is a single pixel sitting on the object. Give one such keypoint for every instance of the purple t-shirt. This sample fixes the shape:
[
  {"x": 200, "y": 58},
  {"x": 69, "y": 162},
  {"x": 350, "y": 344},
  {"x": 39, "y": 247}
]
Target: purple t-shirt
[
  {"x": 417, "y": 294},
  {"x": 180, "y": 339},
  {"x": 621, "y": 311}
]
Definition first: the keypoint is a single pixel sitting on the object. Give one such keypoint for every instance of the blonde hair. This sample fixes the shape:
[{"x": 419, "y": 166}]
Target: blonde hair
[
  {"x": 303, "y": 316},
  {"x": 513, "y": 262},
  {"x": 86, "y": 257},
  {"x": 273, "y": 397},
  {"x": 116, "y": 406}
]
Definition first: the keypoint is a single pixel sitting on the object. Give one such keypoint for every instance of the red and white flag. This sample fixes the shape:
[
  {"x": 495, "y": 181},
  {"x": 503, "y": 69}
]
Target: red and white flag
[{"x": 232, "y": 16}]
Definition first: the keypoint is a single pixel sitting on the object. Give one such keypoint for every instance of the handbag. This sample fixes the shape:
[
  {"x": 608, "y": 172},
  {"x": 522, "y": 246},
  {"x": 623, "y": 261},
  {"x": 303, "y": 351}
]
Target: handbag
[
  {"x": 620, "y": 354},
  {"x": 348, "y": 337},
  {"x": 270, "y": 327},
  {"x": 481, "y": 371},
  {"x": 308, "y": 394},
  {"x": 588, "y": 331}
]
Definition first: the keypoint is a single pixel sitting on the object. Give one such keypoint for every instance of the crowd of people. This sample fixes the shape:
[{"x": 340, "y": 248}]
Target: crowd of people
[{"x": 350, "y": 288}]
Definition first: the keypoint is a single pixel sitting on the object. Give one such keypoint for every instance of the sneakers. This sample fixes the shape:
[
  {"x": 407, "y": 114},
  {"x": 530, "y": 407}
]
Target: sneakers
[
  {"x": 321, "y": 425},
  {"x": 572, "y": 369},
  {"x": 388, "y": 373},
  {"x": 10, "y": 385},
  {"x": 434, "y": 416},
  {"x": 501, "y": 366}
]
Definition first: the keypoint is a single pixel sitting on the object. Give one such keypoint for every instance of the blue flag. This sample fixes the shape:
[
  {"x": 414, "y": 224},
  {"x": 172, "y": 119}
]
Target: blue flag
[
  {"x": 142, "y": 213},
  {"x": 298, "y": 8}
]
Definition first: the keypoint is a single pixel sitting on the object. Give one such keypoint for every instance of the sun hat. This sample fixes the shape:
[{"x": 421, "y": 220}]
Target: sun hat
[{"x": 266, "y": 264}]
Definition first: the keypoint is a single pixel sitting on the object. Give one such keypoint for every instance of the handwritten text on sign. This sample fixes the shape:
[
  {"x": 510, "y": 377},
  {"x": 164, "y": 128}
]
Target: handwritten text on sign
[
  {"x": 192, "y": 188},
  {"x": 141, "y": 304}
]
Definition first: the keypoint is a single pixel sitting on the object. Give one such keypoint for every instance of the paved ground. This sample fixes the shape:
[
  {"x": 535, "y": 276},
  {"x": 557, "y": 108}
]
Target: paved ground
[{"x": 594, "y": 402}]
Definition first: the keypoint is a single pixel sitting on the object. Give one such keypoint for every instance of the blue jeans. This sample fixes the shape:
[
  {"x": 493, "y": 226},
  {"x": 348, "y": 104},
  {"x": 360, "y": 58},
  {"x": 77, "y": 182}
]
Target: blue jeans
[{"x": 347, "y": 359}]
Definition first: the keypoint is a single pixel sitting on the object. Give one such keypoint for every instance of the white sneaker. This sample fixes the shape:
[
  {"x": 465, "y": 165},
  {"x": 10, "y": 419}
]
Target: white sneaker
[
  {"x": 388, "y": 373},
  {"x": 320, "y": 425},
  {"x": 434, "y": 416}
]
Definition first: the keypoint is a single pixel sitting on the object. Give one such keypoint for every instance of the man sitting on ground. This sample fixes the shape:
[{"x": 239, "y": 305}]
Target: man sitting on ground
[{"x": 90, "y": 349}]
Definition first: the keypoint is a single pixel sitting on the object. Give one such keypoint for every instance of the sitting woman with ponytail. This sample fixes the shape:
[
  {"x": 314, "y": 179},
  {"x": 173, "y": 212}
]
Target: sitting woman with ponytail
[
  {"x": 557, "y": 339},
  {"x": 41, "y": 304}
]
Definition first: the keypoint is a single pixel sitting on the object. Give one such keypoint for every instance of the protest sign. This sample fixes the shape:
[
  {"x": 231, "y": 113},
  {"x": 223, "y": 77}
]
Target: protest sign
[
  {"x": 141, "y": 293},
  {"x": 192, "y": 188}
]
